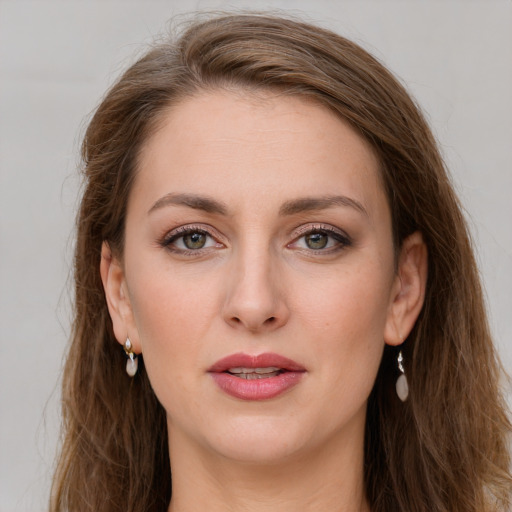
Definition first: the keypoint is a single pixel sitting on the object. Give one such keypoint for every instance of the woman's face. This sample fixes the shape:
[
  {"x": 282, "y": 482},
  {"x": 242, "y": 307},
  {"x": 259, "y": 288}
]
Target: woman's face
[{"x": 258, "y": 226}]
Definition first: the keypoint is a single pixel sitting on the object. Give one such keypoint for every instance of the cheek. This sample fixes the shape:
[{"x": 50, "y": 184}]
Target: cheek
[
  {"x": 354, "y": 299},
  {"x": 347, "y": 316},
  {"x": 169, "y": 307},
  {"x": 172, "y": 317}
]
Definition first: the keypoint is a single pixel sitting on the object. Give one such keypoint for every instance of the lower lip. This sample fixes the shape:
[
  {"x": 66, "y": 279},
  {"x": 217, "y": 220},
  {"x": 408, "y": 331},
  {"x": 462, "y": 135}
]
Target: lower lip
[{"x": 256, "y": 389}]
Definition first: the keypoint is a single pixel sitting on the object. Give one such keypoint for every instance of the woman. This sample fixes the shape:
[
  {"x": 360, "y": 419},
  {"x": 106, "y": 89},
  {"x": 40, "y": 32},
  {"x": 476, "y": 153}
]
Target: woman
[{"x": 267, "y": 231}]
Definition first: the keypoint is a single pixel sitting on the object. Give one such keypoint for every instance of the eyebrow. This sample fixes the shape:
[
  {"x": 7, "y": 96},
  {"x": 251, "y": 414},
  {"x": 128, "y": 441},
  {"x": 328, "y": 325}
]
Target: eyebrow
[
  {"x": 292, "y": 207},
  {"x": 308, "y": 204},
  {"x": 194, "y": 201}
]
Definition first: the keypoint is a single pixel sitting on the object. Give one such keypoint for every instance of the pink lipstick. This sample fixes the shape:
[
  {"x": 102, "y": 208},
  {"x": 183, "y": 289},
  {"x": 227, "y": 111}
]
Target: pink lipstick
[{"x": 258, "y": 377}]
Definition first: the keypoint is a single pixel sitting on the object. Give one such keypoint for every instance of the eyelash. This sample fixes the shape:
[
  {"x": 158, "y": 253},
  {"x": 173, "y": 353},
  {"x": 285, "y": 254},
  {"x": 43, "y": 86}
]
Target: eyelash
[
  {"x": 342, "y": 240},
  {"x": 181, "y": 233}
]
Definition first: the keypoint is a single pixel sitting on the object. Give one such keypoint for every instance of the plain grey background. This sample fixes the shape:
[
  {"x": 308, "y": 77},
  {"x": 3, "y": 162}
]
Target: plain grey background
[{"x": 56, "y": 60}]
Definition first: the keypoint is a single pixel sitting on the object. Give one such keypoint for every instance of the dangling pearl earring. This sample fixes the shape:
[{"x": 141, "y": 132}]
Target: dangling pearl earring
[
  {"x": 402, "y": 388},
  {"x": 131, "y": 364}
]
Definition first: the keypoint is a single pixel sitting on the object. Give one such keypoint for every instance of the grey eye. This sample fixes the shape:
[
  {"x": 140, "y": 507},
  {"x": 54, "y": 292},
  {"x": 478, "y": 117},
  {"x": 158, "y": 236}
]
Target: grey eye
[
  {"x": 316, "y": 240},
  {"x": 195, "y": 240}
]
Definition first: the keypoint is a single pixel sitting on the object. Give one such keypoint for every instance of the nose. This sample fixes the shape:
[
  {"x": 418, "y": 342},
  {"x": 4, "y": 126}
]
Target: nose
[{"x": 254, "y": 300}]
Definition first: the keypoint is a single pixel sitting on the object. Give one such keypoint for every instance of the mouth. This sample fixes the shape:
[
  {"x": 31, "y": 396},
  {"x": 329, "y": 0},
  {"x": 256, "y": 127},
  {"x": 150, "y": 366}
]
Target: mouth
[
  {"x": 259, "y": 377},
  {"x": 256, "y": 373}
]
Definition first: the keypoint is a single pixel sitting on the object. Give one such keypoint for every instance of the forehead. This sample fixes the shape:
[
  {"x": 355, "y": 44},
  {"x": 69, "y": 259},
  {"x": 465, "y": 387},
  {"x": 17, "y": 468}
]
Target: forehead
[{"x": 245, "y": 144}]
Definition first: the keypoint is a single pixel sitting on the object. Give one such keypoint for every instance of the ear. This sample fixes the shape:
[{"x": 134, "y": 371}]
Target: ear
[
  {"x": 408, "y": 291},
  {"x": 118, "y": 302}
]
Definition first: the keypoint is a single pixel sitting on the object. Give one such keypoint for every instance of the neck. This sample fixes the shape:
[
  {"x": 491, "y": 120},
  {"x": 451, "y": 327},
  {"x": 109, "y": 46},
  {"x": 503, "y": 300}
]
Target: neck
[{"x": 326, "y": 479}]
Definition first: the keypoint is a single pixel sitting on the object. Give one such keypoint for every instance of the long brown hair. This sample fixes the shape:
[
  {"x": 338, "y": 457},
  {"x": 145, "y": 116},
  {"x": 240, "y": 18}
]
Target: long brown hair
[{"x": 445, "y": 449}]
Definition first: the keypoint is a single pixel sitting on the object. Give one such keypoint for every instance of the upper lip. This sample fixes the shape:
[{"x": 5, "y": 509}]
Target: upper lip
[{"x": 266, "y": 360}]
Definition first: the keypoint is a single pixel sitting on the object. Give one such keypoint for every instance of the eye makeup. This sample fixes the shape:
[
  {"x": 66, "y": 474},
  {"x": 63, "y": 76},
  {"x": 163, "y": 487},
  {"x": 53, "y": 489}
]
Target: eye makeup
[
  {"x": 191, "y": 240},
  {"x": 320, "y": 239},
  {"x": 197, "y": 239}
]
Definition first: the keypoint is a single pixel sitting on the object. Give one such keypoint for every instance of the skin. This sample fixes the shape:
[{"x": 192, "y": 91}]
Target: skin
[{"x": 257, "y": 286}]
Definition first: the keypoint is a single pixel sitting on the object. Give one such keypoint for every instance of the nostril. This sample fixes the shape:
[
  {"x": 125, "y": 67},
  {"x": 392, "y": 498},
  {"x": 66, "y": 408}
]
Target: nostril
[{"x": 254, "y": 323}]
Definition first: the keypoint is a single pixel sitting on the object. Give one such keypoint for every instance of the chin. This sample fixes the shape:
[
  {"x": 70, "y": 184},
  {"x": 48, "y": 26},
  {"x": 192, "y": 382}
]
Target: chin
[
  {"x": 260, "y": 450},
  {"x": 262, "y": 440}
]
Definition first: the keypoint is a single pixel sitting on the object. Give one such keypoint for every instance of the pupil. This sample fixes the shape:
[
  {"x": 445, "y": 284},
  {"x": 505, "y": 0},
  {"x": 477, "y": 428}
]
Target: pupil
[
  {"x": 194, "y": 240},
  {"x": 316, "y": 240}
]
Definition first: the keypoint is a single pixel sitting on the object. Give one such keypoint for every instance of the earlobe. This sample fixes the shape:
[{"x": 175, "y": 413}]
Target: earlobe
[
  {"x": 408, "y": 292},
  {"x": 118, "y": 303}
]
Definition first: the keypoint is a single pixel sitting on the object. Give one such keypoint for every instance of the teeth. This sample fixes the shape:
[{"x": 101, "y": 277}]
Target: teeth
[
  {"x": 255, "y": 373},
  {"x": 260, "y": 371},
  {"x": 253, "y": 376}
]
